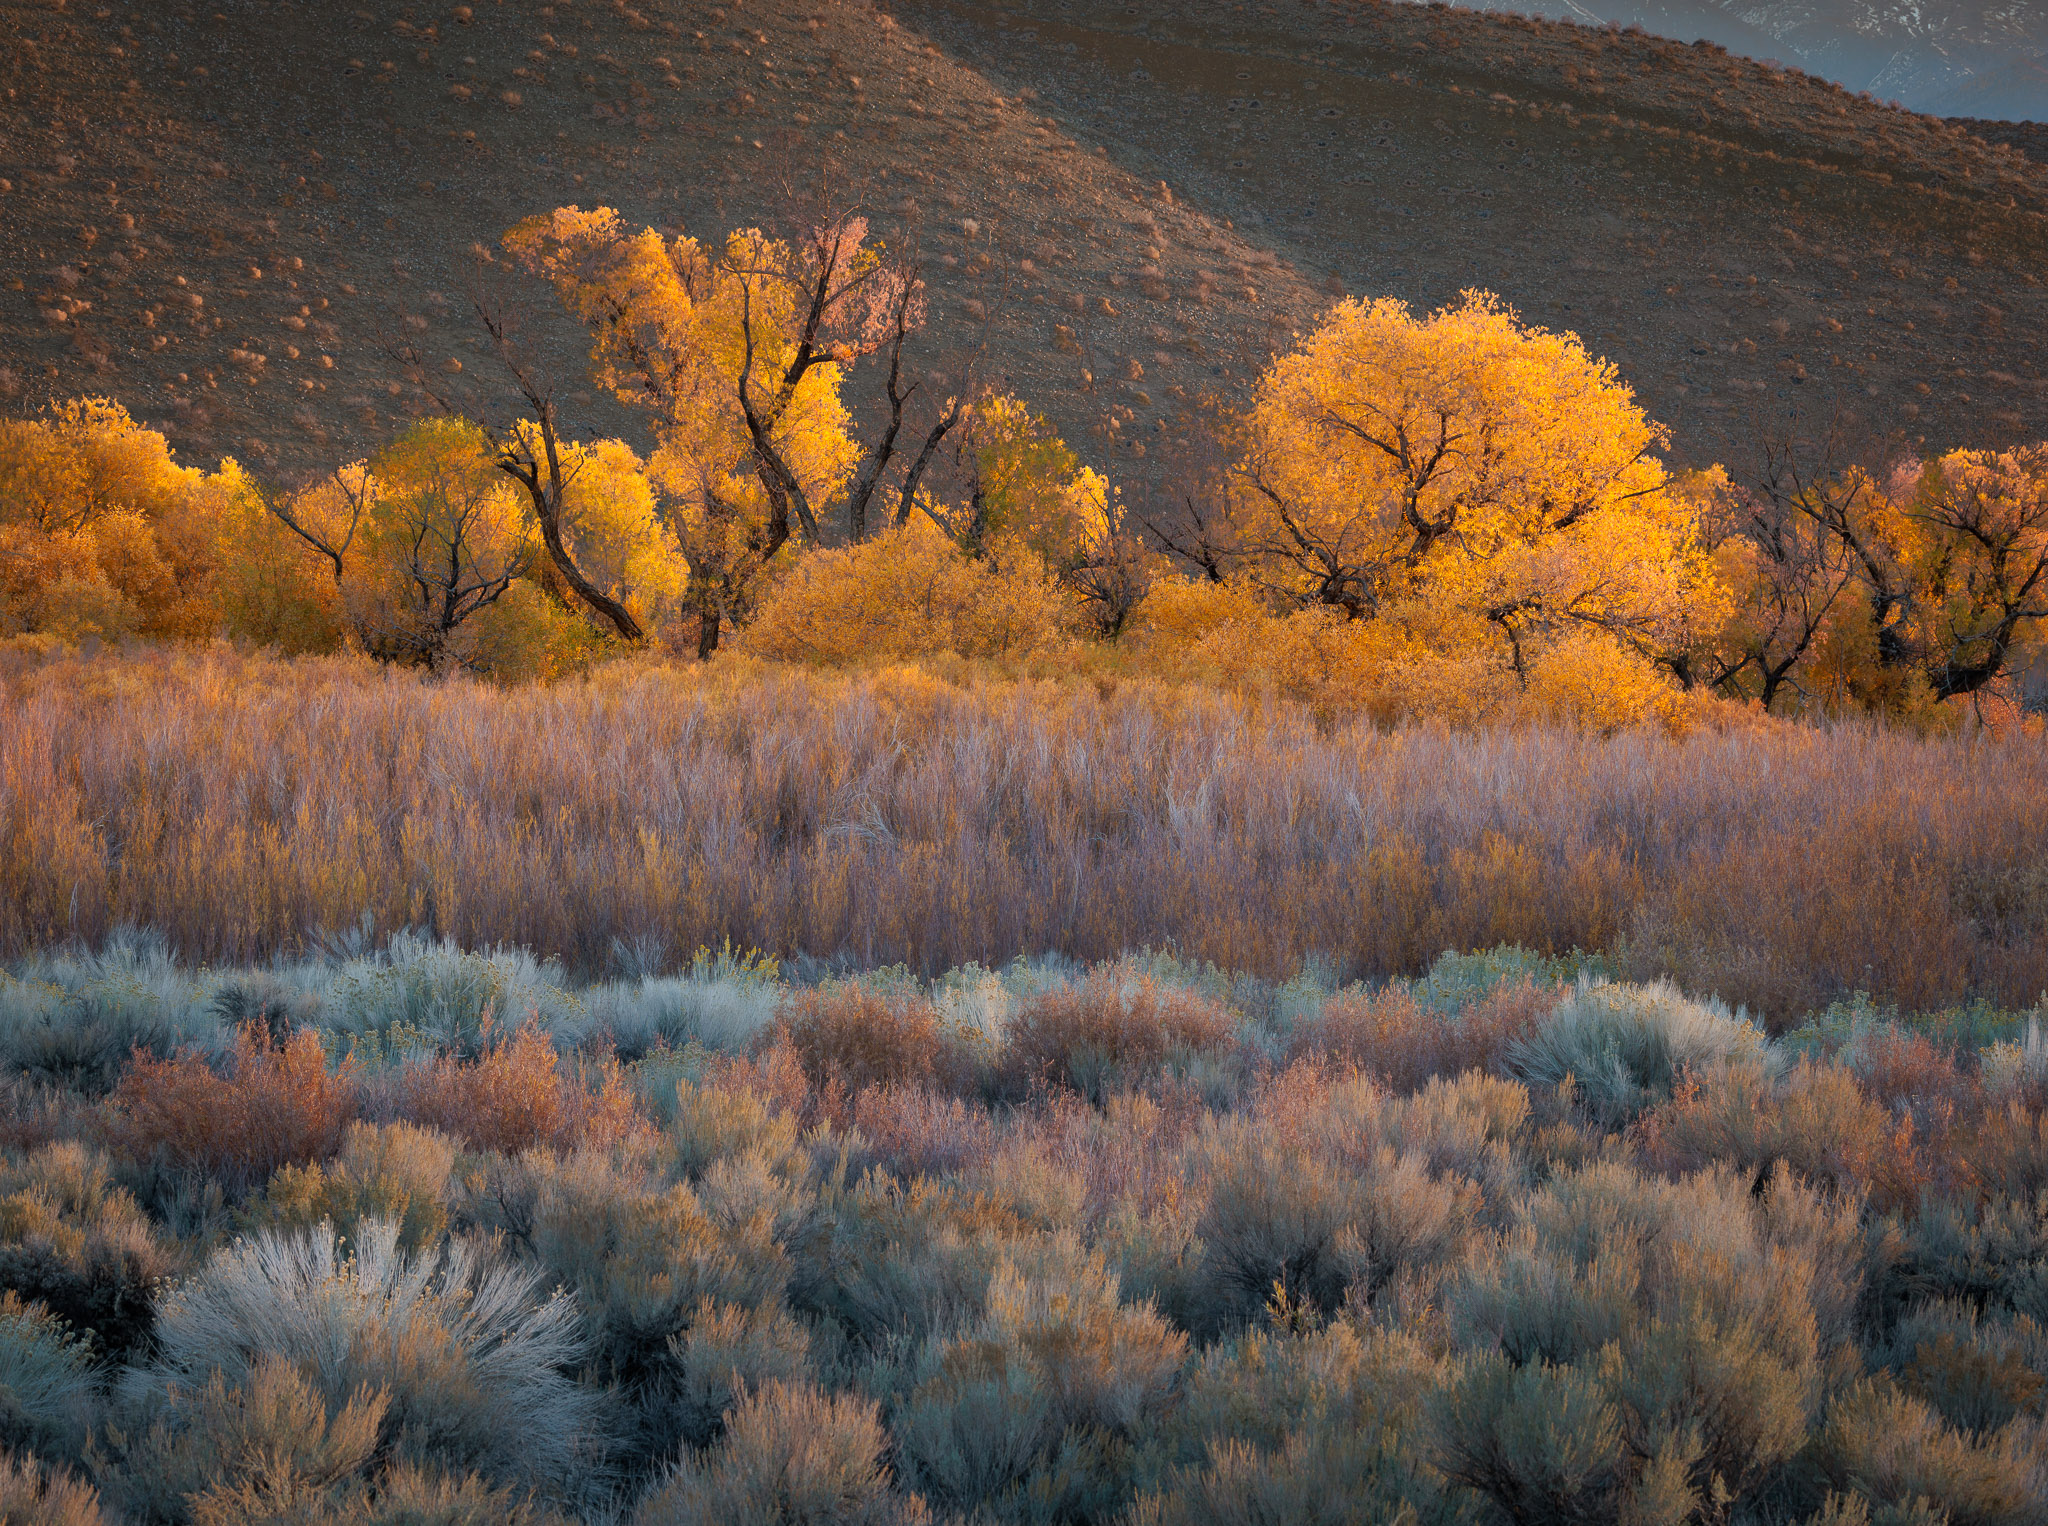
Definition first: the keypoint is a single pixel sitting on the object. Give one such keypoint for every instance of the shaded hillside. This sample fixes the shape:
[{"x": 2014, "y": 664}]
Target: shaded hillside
[{"x": 218, "y": 210}]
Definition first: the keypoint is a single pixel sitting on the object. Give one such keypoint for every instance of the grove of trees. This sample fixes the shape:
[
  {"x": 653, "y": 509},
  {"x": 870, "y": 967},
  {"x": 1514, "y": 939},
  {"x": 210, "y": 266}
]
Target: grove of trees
[{"x": 1452, "y": 514}]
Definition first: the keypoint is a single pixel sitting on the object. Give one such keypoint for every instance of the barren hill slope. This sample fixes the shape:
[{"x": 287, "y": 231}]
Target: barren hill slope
[{"x": 211, "y": 210}]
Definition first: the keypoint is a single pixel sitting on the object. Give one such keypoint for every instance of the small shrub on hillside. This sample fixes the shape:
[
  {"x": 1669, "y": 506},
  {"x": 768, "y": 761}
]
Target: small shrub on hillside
[
  {"x": 391, "y": 1171},
  {"x": 265, "y": 1445},
  {"x": 72, "y": 1239},
  {"x": 1626, "y": 1045},
  {"x": 1043, "y": 1394},
  {"x": 276, "y": 1106},
  {"x": 857, "y": 1037},
  {"x": 515, "y": 1095},
  {"x": 473, "y": 1358},
  {"x": 727, "y": 1352},
  {"x": 791, "y": 1455},
  {"x": 1110, "y": 1033},
  {"x": 1404, "y": 1039},
  {"x": 1815, "y": 1119},
  {"x": 46, "y": 1382},
  {"x": 34, "y": 1493}
]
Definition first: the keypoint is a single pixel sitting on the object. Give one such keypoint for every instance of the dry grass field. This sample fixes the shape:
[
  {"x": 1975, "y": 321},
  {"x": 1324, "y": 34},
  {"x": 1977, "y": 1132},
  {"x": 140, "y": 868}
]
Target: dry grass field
[{"x": 241, "y": 805}]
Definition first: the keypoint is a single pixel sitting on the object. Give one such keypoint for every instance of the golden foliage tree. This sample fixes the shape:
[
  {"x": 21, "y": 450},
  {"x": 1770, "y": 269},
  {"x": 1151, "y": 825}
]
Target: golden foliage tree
[
  {"x": 102, "y": 533},
  {"x": 1894, "y": 588},
  {"x": 1474, "y": 478},
  {"x": 908, "y": 592},
  {"x": 738, "y": 352}
]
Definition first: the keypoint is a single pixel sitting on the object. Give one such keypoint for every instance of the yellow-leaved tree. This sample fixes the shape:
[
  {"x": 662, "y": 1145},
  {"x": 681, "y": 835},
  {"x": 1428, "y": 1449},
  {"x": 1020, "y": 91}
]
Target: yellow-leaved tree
[
  {"x": 1487, "y": 486},
  {"x": 442, "y": 536},
  {"x": 738, "y": 351},
  {"x": 102, "y": 533}
]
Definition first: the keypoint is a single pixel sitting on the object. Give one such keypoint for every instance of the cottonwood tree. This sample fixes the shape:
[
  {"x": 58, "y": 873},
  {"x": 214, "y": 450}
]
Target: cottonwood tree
[
  {"x": 1787, "y": 577},
  {"x": 738, "y": 352},
  {"x": 1981, "y": 563},
  {"x": 1469, "y": 472},
  {"x": 530, "y": 448},
  {"x": 1921, "y": 580},
  {"x": 443, "y": 537}
]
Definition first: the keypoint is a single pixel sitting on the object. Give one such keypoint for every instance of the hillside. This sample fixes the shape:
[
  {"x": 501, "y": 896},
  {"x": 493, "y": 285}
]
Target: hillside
[
  {"x": 1953, "y": 57},
  {"x": 218, "y": 209}
]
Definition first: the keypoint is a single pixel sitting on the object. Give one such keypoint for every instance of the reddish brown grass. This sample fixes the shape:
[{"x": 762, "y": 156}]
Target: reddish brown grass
[
  {"x": 277, "y": 1105},
  {"x": 1107, "y": 1034},
  {"x": 1403, "y": 1042},
  {"x": 854, "y": 1038},
  {"x": 1817, "y": 1120},
  {"x": 516, "y": 1095},
  {"x": 1023, "y": 816}
]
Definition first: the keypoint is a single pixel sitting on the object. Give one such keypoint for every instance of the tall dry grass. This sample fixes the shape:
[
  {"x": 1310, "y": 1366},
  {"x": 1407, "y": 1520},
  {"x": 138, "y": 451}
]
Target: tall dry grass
[{"x": 236, "y": 803}]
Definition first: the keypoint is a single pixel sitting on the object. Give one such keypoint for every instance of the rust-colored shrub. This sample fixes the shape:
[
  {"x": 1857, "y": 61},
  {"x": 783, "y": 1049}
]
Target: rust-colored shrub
[
  {"x": 1108, "y": 1034},
  {"x": 2005, "y": 1151},
  {"x": 277, "y": 1105},
  {"x": 920, "y": 1131},
  {"x": 860, "y": 1038},
  {"x": 1911, "y": 1070},
  {"x": 774, "y": 1073},
  {"x": 1816, "y": 1119},
  {"x": 1403, "y": 1041},
  {"x": 516, "y": 1095},
  {"x": 35, "y": 1113}
]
